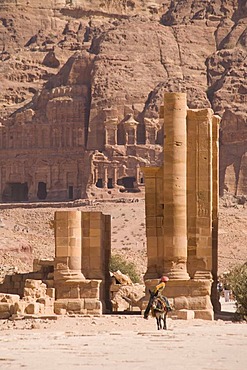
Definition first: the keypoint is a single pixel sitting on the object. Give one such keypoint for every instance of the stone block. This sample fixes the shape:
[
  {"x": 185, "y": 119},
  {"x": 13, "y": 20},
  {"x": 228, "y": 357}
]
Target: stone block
[
  {"x": 61, "y": 231},
  {"x": 89, "y": 293},
  {"x": 60, "y": 307},
  {"x": 94, "y": 312},
  {"x": 75, "y": 305},
  {"x": 201, "y": 290},
  {"x": 62, "y": 251},
  {"x": 181, "y": 303},
  {"x": 95, "y": 242},
  {"x": 5, "y": 315},
  {"x": 204, "y": 314},
  {"x": 74, "y": 242},
  {"x": 47, "y": 302},
  {"x": 61, "y": 215},
  {"x": 31, "y": 283},
  {"x": 74, "y": 232},
  {"x": 75, "y": 292},
  {"x": 92, "y": 304},
  {"x": 5, "y": 307},
  {"x": 95, "y": 233},
  {"x": 50, "y": 282},
  {"x": 34, "y": 308},
  {"x": 50, "y": 292},
  {"x": 19, "y": 307},
  {"x": 199, "y": 303},
  {"x": 10, "y": 298},
  {"x": 185, "y": 314},
  {"x": 95, "y": 224}
]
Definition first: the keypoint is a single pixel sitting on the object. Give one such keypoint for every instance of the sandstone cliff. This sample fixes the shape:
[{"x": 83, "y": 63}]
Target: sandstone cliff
[{"x": 82, "y": 85}]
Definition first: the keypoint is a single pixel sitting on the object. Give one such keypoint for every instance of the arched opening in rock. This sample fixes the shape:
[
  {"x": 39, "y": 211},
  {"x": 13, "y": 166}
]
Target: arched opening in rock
[
  {"x": 121, "y": 140},
  {"x": 129, "y": 184},
  {"x": 15, "y": 192},
  {"x": 141, "y": 136},
  {"x": 110, "y": 183},
  {"x": 99, "y": 183},
  {"x": 71, "y": 192},
  {"x": 42, "y": 192}
]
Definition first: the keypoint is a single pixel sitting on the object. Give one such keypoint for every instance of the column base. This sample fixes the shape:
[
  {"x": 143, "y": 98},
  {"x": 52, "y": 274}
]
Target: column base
[
  {"x": 186, "y": 296},
  {"x": 177, "y": 275},
  {"x": 77, "y": 297},
  {"x": 67, "y": 275},
  {"x": 201, "y": 275}
]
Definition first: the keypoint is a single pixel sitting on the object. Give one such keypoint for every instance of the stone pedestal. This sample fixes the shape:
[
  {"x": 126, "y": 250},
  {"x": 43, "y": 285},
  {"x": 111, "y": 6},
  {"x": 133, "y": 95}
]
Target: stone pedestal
[
  {"x": 81, "y": 267},
  {"x": 188, "y": 298},
  {"x": 78, "y": 297}
]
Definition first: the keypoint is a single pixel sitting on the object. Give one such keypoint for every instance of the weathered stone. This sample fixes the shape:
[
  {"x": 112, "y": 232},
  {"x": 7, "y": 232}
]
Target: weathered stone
[
  {"x": 10, "y": 298},
  {"x": 50, "y": 292},
  {"x": 181, "y": 303},
  {"x": 92, "y": 304},
  {"x": 182, "y": 194},
  {"x": 204, "y": 314},
  {"x": 201, "y": 49},
  {"x": 5, "y": 307},
  {"x": 34, "y": 308},
  {"x": 4, "y": 315},
  {"x": 19, "y": 307},
  {"x": 184, "y": 314}
]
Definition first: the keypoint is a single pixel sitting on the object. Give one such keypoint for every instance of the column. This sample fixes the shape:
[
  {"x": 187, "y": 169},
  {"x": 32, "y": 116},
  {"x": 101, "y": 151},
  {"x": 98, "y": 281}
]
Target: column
[
  {"x": 93, "y": 237},
  {"x": 105, "y": 176},
  {"x": 154, "y": 218},
  {"x": 115, "y": 174},
  {"x": 174, "y": 175},
  {"x": 199, "y": 189},
  {"x": 215, "y": 210},
  {"x": 68, "y": 245}
]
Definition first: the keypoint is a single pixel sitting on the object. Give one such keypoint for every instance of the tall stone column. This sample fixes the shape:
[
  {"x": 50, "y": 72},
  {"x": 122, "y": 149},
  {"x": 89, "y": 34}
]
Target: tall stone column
[
  {"x": 215, "y": 210},
  {"x": 68, "y": 245},
  {"x": 152, "y": 209},
  {"x": 174, "y": 175},
  {"x": 199, "y": 192}
]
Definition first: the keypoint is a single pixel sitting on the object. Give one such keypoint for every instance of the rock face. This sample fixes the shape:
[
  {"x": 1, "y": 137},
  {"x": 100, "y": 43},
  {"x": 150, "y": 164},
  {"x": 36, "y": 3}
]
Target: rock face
[{"x": 83, "y": 83}]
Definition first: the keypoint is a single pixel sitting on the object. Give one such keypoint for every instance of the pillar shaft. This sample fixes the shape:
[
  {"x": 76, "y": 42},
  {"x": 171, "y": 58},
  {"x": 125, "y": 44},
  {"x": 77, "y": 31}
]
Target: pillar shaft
[
  {"x": 175, "y": 215},
  {"x": 68, "y": 245},
  {"x": 199, "y": 192}
]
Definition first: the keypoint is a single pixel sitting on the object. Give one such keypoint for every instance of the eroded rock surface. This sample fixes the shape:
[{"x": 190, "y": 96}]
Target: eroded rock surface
[{"x": 82, "y": 85}]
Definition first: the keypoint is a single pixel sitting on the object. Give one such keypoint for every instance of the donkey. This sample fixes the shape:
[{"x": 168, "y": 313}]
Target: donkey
[{"x": 159, "y": 310}]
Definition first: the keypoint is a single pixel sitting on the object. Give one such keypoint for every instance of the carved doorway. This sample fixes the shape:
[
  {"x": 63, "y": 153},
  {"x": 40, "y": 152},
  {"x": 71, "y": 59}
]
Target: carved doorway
[
  {"x": 15, "y": 192},
  {"x": 42, "y": 192}
]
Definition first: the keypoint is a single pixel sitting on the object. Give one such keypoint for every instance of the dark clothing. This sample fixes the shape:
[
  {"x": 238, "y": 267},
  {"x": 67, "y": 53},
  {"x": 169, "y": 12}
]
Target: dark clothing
[
  {"x": 157, "y": 291},
  {"x": 150, "y": 302}
]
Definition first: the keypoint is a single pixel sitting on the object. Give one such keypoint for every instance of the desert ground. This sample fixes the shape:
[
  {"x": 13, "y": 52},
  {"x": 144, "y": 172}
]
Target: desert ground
[
  {"x": 123, "y": 342},
  {"x": 112, "y": 341}
]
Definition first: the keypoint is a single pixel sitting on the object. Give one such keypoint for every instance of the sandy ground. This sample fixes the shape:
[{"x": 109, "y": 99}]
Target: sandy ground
[
  {"x": 117, "y": 342},
  {"x": 122, "y": 342}
]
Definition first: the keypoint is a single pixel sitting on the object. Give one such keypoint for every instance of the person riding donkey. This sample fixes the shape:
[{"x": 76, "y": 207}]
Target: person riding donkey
[{"x": 157, "y": 292}]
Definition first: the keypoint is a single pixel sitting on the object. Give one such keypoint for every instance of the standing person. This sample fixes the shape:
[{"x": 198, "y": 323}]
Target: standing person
[{"x": 157, "y": 291}]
